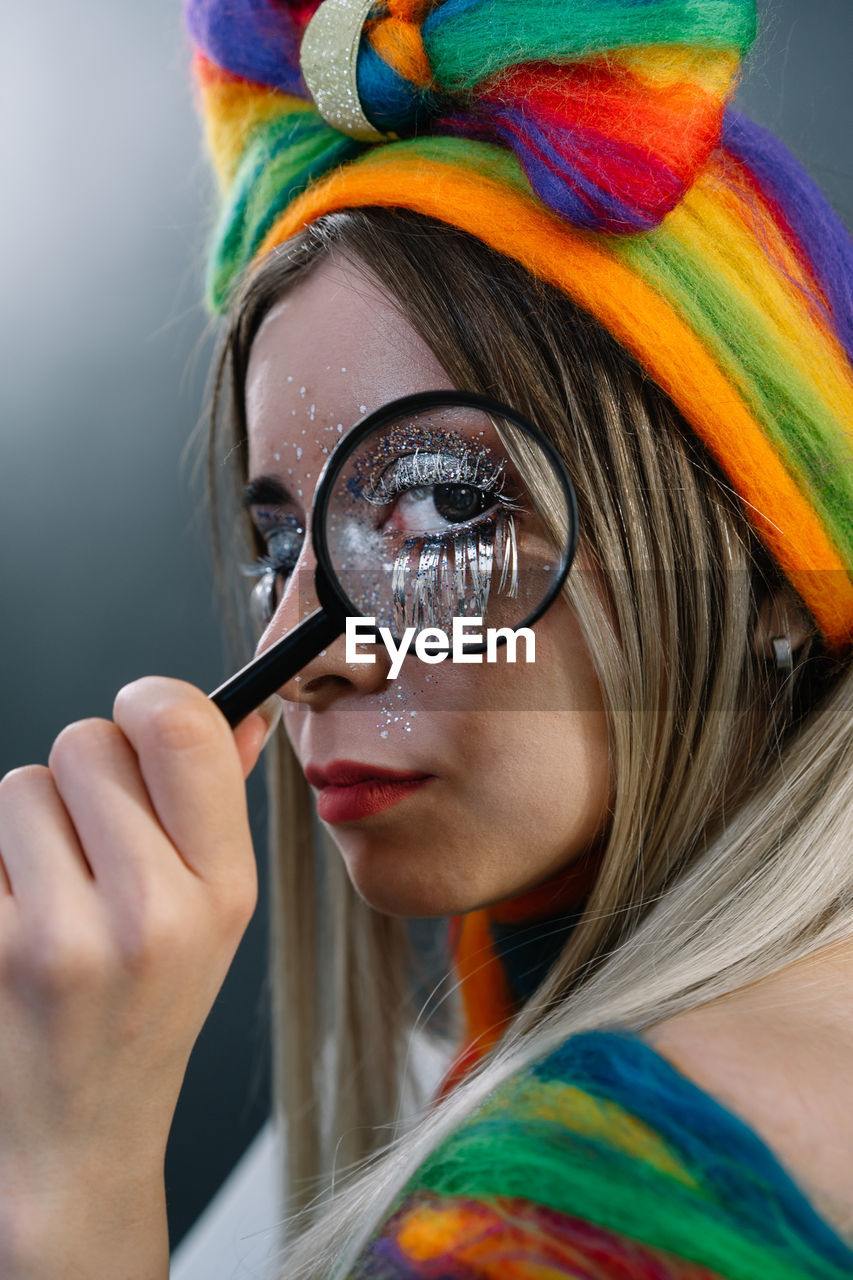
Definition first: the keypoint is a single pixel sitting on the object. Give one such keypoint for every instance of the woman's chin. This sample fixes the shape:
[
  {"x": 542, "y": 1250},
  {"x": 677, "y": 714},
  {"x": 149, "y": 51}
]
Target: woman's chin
[
  {"x": 404, "y": 881},
  {"x": 410, "y": 897}
]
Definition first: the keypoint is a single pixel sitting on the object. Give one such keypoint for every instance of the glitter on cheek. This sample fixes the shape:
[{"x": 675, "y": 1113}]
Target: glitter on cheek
[{"x": 393, "y": 710}]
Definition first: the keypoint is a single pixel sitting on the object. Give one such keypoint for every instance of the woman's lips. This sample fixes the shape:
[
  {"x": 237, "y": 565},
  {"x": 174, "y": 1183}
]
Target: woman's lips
[{"x": 349, "y": 790}]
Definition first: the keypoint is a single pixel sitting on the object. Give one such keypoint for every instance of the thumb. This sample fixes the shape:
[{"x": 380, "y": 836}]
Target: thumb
[{"x": 252, "y": 734}]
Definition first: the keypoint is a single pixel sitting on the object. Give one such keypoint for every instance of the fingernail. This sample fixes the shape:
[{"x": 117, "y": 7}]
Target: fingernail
[{"x": 271, "y": 712}]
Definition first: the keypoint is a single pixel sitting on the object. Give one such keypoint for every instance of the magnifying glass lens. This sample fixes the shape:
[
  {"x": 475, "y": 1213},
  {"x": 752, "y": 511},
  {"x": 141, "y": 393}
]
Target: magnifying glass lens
[
  {"x": 438, "y": 506},
  {"x": 451, "y": 512}
]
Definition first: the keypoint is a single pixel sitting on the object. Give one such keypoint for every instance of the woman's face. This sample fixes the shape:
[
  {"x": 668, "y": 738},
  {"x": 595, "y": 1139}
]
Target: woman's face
[{"x": 508, "y": 762}]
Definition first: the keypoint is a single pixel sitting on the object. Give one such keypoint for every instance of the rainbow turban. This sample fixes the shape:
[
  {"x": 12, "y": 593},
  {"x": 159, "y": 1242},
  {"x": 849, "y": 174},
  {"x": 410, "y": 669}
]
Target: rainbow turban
[{"x": 591, "y": 141}]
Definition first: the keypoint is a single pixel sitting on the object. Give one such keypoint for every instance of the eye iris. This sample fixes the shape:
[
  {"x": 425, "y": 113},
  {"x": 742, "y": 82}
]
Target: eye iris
[
  {"x": 284, "y": 547},
  {"x": 457, "y": 502}
]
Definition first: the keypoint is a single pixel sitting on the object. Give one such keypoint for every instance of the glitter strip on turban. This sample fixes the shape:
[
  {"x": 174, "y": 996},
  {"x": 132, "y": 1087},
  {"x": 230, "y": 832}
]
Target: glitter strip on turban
[{"x": 591, "y": 141}]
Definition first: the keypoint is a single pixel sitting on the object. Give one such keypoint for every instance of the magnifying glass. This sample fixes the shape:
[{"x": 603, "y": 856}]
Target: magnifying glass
[{"x": 437, "y": 506}]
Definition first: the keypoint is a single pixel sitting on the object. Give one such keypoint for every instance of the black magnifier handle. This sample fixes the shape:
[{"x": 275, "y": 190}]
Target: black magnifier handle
[{"x": 275, "y": 666}]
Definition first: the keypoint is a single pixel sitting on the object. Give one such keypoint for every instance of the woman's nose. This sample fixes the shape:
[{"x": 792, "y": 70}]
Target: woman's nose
[{"x": 328, "y": 676}]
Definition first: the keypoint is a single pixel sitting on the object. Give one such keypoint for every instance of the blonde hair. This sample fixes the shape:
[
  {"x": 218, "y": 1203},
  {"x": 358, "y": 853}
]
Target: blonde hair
[{"x": 727, "y": 856}]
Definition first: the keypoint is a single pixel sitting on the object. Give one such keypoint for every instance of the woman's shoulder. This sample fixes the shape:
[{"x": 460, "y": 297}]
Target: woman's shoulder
[
  {"x": 782, "y": 1066},
  {"x": 604, "y": 1152}
]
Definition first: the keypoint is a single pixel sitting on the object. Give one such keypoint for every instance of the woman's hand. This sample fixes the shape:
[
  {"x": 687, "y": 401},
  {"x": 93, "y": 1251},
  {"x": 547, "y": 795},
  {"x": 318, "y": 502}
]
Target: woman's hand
[{"x": 127, "y": 878}]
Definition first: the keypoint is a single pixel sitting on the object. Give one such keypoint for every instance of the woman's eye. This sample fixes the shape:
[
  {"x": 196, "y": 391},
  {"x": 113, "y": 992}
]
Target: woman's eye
[
  {"x": 458, "y": 502},
  {"x": 431, "y": 508},
  {"x": 283, "y": 545}
]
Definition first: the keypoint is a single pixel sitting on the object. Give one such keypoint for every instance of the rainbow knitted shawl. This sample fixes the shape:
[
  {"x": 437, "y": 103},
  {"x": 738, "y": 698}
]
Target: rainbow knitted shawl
[
  {"x": 603, "y": 1162},
  {"x": 600, "y": 1162}
]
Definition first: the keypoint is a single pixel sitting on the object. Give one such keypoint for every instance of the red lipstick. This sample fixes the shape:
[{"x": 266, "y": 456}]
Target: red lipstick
[{"x": 350, "y": 790}]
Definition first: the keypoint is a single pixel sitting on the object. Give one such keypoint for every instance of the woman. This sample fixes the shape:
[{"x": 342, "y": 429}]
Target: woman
[{"x": 657, "y": 831}]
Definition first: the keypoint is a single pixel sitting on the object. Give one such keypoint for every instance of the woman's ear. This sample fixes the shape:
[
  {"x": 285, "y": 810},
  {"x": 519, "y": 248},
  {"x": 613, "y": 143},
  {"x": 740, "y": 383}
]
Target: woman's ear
[{"x": 781, "y": 618}]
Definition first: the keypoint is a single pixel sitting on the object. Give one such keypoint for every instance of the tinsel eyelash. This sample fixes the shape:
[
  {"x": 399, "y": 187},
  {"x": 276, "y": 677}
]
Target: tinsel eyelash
[
  {"x": 262, "y": 603},
  {"x": 437, "y": 578},
  {"x": 267, "y": 569},
  {"x": 257, "y": 568}
]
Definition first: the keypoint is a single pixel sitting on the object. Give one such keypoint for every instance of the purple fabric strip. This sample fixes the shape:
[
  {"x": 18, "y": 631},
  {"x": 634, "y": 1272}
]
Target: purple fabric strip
[
  {"x": 821, "y": 233},
  {"x": 561, "y": 182},
  {"x": 257, "y": 39},
  {"x": 561, "y": 175}
]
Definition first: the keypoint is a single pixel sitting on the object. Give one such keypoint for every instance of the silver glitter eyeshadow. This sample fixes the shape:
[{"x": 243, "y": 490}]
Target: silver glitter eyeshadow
[{"x": 424, "y": 468}]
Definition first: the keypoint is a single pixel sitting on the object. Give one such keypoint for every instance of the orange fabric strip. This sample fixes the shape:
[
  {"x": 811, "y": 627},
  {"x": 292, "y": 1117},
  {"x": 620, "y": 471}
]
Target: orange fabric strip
[{"x": 487, "y": 1002}]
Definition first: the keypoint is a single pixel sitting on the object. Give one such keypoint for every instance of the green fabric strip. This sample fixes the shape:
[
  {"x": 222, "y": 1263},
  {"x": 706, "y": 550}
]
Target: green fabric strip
[
  {"x": 460, "y": 39},
  {"x": 285, "y": 155}
]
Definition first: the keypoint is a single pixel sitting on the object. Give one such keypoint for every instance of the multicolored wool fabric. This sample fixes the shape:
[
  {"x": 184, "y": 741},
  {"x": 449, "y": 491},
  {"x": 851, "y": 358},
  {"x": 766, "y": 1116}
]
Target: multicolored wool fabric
[
  {"x": 600, "y": 1162},
  {"x": 603, "y": 1162},
  {"x": 591, "y": 141}
]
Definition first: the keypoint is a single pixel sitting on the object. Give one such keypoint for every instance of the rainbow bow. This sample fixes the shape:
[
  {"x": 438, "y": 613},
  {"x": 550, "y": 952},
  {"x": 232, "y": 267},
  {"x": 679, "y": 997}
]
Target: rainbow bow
[{"x": 612, "y": 106}]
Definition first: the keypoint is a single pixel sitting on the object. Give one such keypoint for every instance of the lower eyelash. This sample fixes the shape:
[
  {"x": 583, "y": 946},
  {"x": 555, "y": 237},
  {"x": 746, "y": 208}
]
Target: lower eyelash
[
  {"x": 444, "y": 585},
  {"x": 263, "y": 567}
]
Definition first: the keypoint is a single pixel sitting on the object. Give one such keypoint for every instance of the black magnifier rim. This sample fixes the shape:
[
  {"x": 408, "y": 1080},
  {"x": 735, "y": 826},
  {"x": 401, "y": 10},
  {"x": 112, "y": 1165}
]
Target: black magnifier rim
[{"x": 330, "y": 593}]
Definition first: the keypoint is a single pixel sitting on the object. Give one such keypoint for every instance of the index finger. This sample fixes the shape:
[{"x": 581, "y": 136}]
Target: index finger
[{"x": 193, "y": 773}]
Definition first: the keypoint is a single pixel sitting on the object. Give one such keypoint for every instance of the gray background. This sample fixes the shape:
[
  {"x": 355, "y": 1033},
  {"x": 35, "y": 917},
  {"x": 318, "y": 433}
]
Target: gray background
[{"x": 104, "y": 571}]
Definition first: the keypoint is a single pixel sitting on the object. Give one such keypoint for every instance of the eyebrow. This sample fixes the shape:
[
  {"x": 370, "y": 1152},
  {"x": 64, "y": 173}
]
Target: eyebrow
[{"x": 266, "y": 490}]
